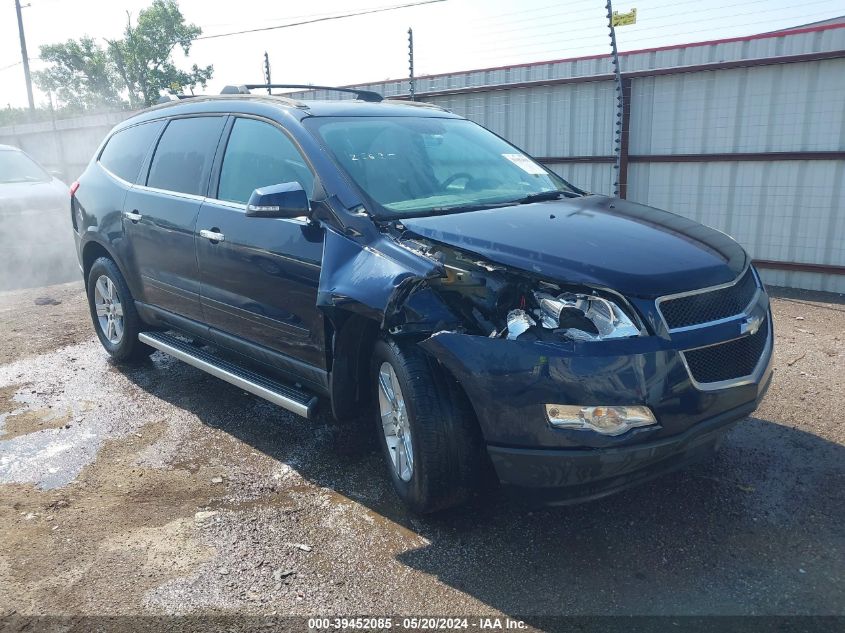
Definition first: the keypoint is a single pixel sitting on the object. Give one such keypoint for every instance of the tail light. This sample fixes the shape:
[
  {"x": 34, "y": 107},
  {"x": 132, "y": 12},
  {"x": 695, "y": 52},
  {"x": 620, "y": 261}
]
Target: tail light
[{"x": 73, "y": 205}]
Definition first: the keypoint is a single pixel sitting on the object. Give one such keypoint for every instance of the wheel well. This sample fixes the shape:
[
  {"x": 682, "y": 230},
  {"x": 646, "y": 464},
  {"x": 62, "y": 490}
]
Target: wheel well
[
  {"x": 352, "y": 341},
  {"x": 91, "y": 253},
  {"x": 352, "y": 349}
]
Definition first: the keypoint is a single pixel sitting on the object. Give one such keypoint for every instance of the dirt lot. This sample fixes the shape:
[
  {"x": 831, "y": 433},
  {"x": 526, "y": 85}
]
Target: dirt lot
[{"x": 157, "y": 489}]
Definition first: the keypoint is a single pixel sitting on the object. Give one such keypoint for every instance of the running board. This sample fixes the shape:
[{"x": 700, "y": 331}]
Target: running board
[{"x": 291, "y": 398}]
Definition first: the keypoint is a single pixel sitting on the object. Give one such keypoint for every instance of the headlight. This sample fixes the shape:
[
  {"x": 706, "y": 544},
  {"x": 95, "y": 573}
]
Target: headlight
[
  {"x": 604, "y": 420},
  {"x": 583, "y": 317}
]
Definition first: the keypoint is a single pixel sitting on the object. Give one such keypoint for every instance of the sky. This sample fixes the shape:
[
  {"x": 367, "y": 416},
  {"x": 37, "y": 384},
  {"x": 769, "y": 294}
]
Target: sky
[{"x": 451, "y": 35}]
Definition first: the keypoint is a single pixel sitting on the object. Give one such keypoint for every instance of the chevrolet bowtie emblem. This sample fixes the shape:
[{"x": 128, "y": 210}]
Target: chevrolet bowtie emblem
[{"x": 751, "y": 325}]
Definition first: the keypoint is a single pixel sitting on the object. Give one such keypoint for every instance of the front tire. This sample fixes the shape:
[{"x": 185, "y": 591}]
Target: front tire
[
  {"x": 426, "y": 429},
  {"x": 113, "y": 312}
]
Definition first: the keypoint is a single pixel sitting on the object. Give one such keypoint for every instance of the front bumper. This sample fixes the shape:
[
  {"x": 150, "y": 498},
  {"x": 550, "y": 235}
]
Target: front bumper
[
  {"x": 509, "y": 382},
  {"x": 560, "y": 477}
]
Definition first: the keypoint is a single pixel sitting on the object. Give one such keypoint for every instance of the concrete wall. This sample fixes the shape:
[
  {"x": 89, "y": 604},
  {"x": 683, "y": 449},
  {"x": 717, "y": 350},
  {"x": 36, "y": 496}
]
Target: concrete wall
[{"x": 64, "y": 145}]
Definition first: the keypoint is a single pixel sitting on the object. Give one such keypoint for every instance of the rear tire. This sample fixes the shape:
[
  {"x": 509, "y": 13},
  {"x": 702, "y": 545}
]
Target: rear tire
[
  {"x": 113, "y": 312},
  {"x": 445, "y": 442}
]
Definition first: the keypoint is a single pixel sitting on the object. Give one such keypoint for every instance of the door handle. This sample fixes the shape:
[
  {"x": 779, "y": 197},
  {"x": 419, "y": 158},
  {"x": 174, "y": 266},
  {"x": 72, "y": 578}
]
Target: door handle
[
  {"x": 132, "y": 215},
  {"x": 212, "y": 235}
]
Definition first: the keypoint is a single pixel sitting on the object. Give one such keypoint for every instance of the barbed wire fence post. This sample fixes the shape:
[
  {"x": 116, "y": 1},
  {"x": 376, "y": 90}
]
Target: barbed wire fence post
[
  {"x": 267, "y": 72},
  {"x": 620, "y": 103},
  {"x": 411, "y": 81}
]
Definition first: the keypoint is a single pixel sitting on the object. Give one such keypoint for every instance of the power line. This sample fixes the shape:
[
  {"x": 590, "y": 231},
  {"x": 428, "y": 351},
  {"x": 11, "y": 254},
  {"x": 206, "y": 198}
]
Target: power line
[
  {"x": 647, "y": 27},
  {"x": 12, "y": 65},
  {"x": 286, "y": 18},
  {"x": 324, "y": 19},
  {"x": 512, "y": 45},
  {"x": 648, "y": 19}
]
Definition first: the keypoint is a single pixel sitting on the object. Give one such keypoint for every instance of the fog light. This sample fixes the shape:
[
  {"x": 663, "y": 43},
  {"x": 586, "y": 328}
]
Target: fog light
[{"x": 604, "y": 420}]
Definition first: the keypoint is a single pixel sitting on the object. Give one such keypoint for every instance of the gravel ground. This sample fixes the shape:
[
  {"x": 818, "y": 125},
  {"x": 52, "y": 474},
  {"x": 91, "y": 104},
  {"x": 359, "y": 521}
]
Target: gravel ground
[{"x": 157, "y": 489}]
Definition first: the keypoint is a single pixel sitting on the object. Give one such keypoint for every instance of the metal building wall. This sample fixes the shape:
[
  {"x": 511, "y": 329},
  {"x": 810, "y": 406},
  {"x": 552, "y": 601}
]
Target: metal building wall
[
  {"x": 786, "y": 43},
  {"x": 778, "y": 108},
  {"x": 572, "y": 120},
  {"x": 780, "y": 210}
]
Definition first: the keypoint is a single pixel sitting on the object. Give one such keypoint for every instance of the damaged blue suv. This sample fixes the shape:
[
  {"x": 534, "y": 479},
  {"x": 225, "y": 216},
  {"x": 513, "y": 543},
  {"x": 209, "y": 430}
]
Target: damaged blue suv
[{"x": 392, "y": 261}]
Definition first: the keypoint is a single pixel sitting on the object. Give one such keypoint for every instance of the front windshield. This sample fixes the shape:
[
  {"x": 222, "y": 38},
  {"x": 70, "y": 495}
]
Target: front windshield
[
  {"x": 413, "y": 166},
  {"x": 18, "y": 167}
]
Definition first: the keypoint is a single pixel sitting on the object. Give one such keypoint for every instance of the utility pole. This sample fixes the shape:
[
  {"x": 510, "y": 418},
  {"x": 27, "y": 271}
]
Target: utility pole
[
  {"x": 620, "y": 106},
  {"x": 412, "y": 84},
  {"x": 267, "y": 71},
  {"x": 24, "y": 56}
]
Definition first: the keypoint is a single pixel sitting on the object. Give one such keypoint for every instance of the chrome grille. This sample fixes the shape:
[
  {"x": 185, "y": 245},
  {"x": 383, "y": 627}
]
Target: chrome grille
[
  {"x": 728, "y": 361},
  {"x": 703, "y": 307}
]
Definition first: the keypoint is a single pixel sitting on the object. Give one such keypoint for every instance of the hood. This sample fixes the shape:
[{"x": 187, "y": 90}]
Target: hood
[
  {"x": 23, "y": 197},
  {"x": 636, "y": 250}
]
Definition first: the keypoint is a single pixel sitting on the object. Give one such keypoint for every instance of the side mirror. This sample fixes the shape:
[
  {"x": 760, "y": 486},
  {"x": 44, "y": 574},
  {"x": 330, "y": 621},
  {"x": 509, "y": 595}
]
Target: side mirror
[{"x": 285, "y": 200}]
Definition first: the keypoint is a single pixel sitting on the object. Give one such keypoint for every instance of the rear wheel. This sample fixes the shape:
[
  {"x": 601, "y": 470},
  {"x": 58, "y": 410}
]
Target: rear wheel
[
  {"x": 113, "y": 312},
  {"x": 427, "y": 432}
]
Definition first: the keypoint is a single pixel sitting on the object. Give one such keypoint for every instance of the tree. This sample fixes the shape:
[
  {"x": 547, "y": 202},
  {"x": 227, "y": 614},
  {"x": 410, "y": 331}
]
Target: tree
[
  {"x": 138, "y": 66},
  {"x": 81, "y": 75},
  {"x": 143, "y": 56}
]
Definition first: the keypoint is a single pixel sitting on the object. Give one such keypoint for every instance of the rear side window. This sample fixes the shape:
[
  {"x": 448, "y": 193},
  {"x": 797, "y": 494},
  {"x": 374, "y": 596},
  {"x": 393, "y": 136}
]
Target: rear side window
[
  {"x": 183, "y": 158},
  {"x": 257, "y": 155},
  {"x": 126, "y": 150}
]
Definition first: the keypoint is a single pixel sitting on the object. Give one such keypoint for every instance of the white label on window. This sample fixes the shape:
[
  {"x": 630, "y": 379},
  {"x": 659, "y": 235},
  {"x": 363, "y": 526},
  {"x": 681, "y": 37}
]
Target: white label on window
[{"x": 525, "y": 164}]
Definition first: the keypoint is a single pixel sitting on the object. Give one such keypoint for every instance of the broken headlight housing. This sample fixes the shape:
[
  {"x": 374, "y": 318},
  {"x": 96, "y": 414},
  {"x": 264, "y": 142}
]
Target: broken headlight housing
[{"x": 583, "y": 317}]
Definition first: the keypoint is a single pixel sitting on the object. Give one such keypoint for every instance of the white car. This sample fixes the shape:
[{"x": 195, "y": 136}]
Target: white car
[{"x": 36, "y": 244}]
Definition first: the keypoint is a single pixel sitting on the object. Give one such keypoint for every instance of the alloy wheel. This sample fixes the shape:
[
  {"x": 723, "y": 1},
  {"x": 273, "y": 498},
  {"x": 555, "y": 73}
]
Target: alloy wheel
[
  {"x": 395, "y": 423},
  {"x": 109, "y": 309}
]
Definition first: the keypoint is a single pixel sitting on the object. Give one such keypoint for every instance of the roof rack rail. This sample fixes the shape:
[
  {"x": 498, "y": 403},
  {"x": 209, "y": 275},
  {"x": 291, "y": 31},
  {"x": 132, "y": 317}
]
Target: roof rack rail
[
  {"x": 416, "y": 104},
  {"x": 363, "y": 95},
  {"x": 168, "y": 98}
]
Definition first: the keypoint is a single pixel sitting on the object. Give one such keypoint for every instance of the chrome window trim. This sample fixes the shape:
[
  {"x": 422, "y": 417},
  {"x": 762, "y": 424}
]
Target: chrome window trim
[
  {"x": 753, "y": 377},
  {"x": 228, "y": 203},
  {"x": 114, "y": 175},
  {"x": 700, "y": 291},
  {"x": 178, "y": 194},
  {"x": 170, "y": 192},
  {"x": 302, "y": 219}
]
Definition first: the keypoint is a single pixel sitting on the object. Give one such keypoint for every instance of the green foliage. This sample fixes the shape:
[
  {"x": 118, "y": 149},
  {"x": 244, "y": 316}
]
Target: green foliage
[
  {"x": 143, "y": 56},
  {"x": 80, "y": 75},
  {"x": 137, "y": 67}
]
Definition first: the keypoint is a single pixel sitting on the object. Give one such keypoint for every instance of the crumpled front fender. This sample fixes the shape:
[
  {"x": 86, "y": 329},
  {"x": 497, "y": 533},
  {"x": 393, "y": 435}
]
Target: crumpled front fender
[{"x": 381, "y": 281}]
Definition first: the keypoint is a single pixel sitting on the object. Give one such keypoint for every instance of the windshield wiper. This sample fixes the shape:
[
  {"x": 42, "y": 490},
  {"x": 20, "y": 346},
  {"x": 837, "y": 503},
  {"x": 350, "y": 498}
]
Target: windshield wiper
[
  {"x": 448, "y": 210},
  {"x": 468, "y": 207},
  {"x": 541, "y": 196},
  {"x": 534, "y": 197}
]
